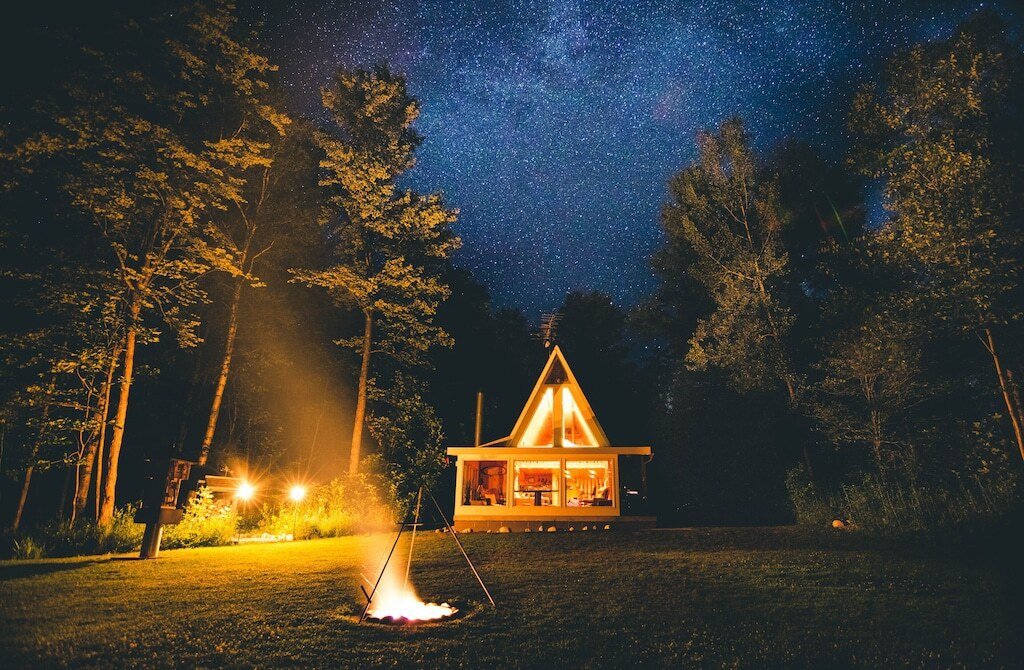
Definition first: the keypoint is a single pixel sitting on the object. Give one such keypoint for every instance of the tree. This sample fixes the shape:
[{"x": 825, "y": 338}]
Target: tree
[
  {"x": 942, "y": 133},
  {"x": 408, "y": 432},
  {"x": 59, "y": 350},
  {"x": 724, "y": 224},
  {"x": 727, "y": 214},
  {"x": 385, "y": 245},
  {"x": 872, "y": 381},
  {"x": 135, "y": 153},
  {"x": 277, "y": 207}
]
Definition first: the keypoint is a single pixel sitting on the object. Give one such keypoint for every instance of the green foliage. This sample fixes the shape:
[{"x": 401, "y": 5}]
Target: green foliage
[
  {"x": 26, "y": 548},
  {"x": 940, "y": 134},
  {"x": 724, "y": 225},
  {"x": 138, "y": 155},
  {"x": 385, "y": 244},
  {"x": 892, "y": 507},
  {"x": 809, "y": 506},
  {"x": 871, "y": 384},
  {"x": 387, "y": 251},
  {"x": 359, "y": 503},
  {"x": 206, "y": 523},
  {"x": 931, "y": 131},
  {"x": 57, "y": 538},
  {"x": 408, "y": 434}
]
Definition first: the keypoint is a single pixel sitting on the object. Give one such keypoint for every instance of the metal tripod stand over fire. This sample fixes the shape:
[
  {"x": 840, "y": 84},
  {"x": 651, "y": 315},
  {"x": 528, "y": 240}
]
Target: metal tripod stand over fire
[{"x": 403, "y": 606}]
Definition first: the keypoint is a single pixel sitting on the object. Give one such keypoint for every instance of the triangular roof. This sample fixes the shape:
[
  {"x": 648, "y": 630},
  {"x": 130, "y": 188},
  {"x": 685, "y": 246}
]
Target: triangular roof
[{"x": 557, "y": 375}]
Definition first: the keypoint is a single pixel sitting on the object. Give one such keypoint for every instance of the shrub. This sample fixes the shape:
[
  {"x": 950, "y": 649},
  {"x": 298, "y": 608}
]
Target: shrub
[
  {"x": 810, "y": 507},
  {"x": 892, "y": 507},
  {"x": 57, "y": 539},
  {"x": 358, "y": 503},
  {"x": 206, "y": 523},
  {"x": 26, "y": 549},
  {"x": 123, "y": 534}
]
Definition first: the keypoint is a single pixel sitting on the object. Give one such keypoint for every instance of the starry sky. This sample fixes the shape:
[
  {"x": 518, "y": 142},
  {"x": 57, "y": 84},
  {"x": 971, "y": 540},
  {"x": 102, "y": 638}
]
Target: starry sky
[{"x": 554, "y": 125}]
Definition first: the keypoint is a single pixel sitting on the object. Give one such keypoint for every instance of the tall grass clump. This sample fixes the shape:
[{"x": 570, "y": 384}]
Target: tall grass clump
[
  {"x": 58, "y": 539},
  {"x": 889, "y": 506}
]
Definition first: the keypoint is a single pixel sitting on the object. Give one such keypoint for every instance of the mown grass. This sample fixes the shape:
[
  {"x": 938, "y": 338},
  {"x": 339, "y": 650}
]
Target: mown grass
[{"x": 711, "y": 598}]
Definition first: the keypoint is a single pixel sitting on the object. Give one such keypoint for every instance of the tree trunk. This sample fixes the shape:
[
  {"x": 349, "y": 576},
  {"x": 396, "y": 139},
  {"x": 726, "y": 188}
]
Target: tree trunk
[
  {"x": 32, "y": 461},
  {"x": 194, "y": 382},
  {"x": 24, "y": 494},
  {"x": 1014, "y": 393},
  {"x": 1011, "y": 409},
  {"x": 106, "y": 512},
  {"x": 98, "y": 481},
  {"x": 222, "y": 379},
  {"x": 69, "y": 476},
  {"x": 95, "y": 446},
  {"x": 364, "y": 373}
]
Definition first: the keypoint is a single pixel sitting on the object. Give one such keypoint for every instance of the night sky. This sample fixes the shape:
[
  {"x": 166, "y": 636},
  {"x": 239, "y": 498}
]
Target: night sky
[{"x": 553, "y": 126}]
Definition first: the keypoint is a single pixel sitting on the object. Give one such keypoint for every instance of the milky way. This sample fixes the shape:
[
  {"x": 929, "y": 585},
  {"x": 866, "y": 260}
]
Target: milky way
[{"x": 553, "y": 126}]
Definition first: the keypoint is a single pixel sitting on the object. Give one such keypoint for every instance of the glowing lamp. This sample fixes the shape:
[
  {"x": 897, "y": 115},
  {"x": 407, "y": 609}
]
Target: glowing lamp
[
  {"x": 245, "y": 491},
  {"x": 297, "y": 492}
]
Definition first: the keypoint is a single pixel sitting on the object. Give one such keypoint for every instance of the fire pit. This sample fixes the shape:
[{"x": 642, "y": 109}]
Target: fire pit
[{"x": 406, "y": 609}]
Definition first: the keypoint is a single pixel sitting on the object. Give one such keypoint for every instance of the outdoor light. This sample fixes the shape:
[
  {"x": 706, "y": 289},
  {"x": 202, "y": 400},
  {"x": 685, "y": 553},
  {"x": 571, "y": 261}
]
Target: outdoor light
[
  {"x": 297, "y": 492},
  {"x": 245, "y": 491}
]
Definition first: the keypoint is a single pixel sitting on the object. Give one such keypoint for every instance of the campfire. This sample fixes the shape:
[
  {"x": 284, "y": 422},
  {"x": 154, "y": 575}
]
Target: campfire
[
  {"x": 406, "y": 607},
  {"x": 392, "y": 598}
]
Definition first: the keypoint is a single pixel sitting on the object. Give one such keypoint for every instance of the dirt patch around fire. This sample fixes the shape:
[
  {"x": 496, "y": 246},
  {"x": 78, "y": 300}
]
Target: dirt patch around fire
[{"x": 465, "y": 609}]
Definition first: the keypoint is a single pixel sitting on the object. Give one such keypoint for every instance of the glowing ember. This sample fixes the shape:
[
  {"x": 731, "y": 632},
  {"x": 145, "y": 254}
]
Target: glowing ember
[{"x": 407, "y": 606}]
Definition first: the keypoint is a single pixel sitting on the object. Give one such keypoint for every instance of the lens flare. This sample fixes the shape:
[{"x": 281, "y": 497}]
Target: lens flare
[{"x": 245, "y": 491}]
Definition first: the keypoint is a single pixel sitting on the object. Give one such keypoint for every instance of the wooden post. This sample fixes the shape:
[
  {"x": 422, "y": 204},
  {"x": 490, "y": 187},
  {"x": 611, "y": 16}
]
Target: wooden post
[
  {"x": 479, "y": 417},
  {"x": 151, "y": 539},
  {"x": 558, "y": 417}
]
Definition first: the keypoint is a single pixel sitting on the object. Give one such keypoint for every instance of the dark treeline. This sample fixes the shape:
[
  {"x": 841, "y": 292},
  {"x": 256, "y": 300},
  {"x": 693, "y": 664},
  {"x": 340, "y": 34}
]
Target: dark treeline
[{"x": 192, "y": 268}]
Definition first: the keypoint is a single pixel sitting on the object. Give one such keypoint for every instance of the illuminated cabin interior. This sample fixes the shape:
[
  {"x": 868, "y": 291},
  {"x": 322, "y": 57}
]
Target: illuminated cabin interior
[{"x": 556, "y": 467}]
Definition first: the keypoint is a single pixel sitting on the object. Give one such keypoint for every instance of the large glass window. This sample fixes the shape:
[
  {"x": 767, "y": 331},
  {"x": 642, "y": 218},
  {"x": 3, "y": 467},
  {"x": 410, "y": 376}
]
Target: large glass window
[
  {"x": 537, "y": 483},
  {"x": 483, "y": 482},
  {"x": 588, "y": 483},
  {"x": 577, "y": 431}
]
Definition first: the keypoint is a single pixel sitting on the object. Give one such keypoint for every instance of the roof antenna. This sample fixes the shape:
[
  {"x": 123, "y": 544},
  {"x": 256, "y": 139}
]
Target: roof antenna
[{"x": 549, "y": 328}]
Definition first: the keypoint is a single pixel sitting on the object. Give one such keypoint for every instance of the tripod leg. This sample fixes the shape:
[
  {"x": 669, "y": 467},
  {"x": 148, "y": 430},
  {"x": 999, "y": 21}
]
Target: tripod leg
[
  {"x": 455, "y": 537},
  {"x": 385, "y": 567},
  {"x": 412, "y": 538}
]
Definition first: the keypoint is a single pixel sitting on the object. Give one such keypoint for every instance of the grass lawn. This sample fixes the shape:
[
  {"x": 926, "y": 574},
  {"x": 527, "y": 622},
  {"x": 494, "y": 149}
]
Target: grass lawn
[{"x": 709, "y": 597}]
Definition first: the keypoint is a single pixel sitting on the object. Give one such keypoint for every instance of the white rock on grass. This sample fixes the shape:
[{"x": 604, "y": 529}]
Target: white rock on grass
[
  {"x": 551, "y": 529},
  {"x": 503, "y": 529}
]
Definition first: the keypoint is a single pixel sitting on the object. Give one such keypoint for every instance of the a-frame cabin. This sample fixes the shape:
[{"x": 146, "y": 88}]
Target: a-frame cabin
[{"x": 556, "y": 467}]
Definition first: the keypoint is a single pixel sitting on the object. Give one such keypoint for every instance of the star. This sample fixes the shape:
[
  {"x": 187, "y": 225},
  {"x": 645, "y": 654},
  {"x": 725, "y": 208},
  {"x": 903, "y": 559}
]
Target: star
[{"x": 553, "y": 126}]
